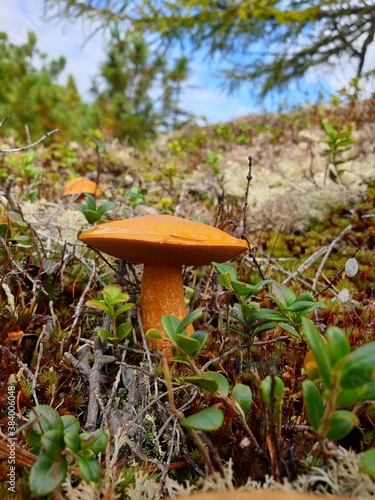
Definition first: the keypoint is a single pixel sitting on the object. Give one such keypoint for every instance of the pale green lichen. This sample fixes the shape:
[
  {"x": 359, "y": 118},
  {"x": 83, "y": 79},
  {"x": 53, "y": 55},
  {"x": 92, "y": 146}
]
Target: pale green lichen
[
  {"x": 289, "y": 185},
  {"x": 340, "y": 476},
  {"x": 10, "y": 297},
  {"x": 53, "y": 221}
]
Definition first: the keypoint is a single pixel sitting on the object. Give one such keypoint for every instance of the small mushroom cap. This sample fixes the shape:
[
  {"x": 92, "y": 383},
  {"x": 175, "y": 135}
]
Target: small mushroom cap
[
  {"x": 80, "y": 185},
  {"x": 163, "y": 239}
]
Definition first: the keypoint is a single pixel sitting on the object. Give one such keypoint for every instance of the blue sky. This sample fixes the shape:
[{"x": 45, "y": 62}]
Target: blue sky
[{"x": 202, "y": 96}]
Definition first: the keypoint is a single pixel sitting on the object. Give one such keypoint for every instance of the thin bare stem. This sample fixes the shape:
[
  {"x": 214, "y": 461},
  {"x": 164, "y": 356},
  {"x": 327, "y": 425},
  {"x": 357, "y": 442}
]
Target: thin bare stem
[
  {"x": 246, "y": 204},
  {"x": 306, "y": 264},
  {"x": 244, "y": 235},
  {"x": 4, "y": 120},
  {"x": 181, "y": 416},
  {"x": 330, "y": 284},
  {"x": 29, "y": 146},
  {"x": 331, "y": 246}
]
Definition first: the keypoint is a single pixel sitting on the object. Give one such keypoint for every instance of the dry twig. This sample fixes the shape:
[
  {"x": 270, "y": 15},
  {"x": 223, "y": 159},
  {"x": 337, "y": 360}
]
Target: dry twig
[
  {"x": 93, "y": 374},
  {"x": 29, "y": 146}
]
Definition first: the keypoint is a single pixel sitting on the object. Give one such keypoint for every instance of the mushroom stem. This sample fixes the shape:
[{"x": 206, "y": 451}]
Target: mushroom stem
[{"x": 162, "y": 293}]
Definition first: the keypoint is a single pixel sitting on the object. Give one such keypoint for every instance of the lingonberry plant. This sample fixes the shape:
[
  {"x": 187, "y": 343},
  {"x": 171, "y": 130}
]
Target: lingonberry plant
[
  {"x": 114, "y": 303},
  {"x": 93, "y": 212},
  {"x": 52, "y": 438},
  {"x": 255, "y": 320},
  {"x": 345, "y": 379}
]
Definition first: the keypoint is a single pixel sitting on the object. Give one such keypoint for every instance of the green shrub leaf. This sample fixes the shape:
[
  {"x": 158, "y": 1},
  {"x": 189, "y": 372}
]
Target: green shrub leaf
[
  {"x": 105, "y": 207},
  {"x": 53, "y": 443},
  {"x": 187, "y": 345},
  {"x": 267, "y": 386},
  {"x": 348, "y": 397},
  {"x": 95, "y": 441},
  {"x": 319, "y": 348},
  {"x": 368, "y": 462},
  {"x": 46, "y": 475},
  {"x": 206, "y": 420},
  {"x": 123, "y": 309},
  {"x": 107, "y": 335},
  {"x": 200, "y": 336},
  {"x": 123, "y": 330},
  {"x": 338, "y": 344},
  {"x": 154, "y": 334},
  {"x": 42, "y": 418},
  {"x": 170, "y": 325},
  {"x": 341, "y": 423},
  {"x": 369, "y": 392},
  {"x": 72, "y": 441},
  {"x": 266, "y": 315},
  {"x": 222, "y": 382},
  {"x": 90, "y": 469},
  {"x": 70, "y": 424},
  {"x": 283, "y": 295},
  {"x": 359, "y": 367},
  {"x": 314, "y": 403},
  {"x": 96, "y": 304},
  {"x": 190, "y": 318},
  {"x": 226, "y": 268},
  {"x": 180, "y": 359},
  {"x": 91, "y": 216},
  {"x": 208, "y": 385},
  {"x": 303, "y": 305},
  {"x": 290, "y": 329},
  {"x": 242, "y": 394}
]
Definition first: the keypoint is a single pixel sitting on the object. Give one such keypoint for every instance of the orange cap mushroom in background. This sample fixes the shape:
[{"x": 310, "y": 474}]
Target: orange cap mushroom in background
[
  {"x": 163, "y": 243},
  {"x": 80, "y": 186}
]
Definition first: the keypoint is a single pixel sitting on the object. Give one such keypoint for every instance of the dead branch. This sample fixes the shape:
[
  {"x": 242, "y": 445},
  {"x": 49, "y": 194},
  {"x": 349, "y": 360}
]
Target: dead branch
[
  {"x": 331, "y": 246},
  {"x": 29, "y": 146},
  {"x": 93, "y": 374}
]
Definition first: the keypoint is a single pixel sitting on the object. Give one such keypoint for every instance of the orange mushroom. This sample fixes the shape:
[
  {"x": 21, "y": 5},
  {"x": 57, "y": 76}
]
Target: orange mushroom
[
  {"x": 15, "y": 335},
  {"x": 79, "y": 186},
  {"x": 243, "y": 494},
  {"x": 163, "y": 243}
]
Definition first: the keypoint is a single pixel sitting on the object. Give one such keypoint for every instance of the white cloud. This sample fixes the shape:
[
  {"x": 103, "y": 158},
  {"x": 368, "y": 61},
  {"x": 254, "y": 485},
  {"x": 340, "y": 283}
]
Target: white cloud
[{"x": 55, "y": 39}]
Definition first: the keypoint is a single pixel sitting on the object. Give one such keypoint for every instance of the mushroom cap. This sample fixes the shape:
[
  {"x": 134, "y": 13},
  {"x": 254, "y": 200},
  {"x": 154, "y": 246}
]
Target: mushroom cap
[
  {"x": 80, "y": 185},
  {"x": 163, "y": 239}
]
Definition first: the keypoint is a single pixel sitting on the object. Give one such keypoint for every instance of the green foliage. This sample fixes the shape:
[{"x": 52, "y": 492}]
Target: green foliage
[
  {"x": 125, "y": 107},
  {"x": 338, "y": 140},
  {"x": 176, "y": 332},
  {"x": 114, "y": 303},
  {"x": 368, "y": 462},
  {"x": 23, "y": 167},
  {"x": 346, "y": 380},
  {"x": 94, "y": 213},
  {"x": 31, "y": 97},
  {"x": 51, "y": 436},
  {"x": 253, "y": 319},
  {"x": 314, "y": 403},
  {"x": 242, "y": 394},
  {"x": 211, "y": 382},
  {"x": 6, "y": 235},
  {"x": 209, "y": 419},
  {"x": 124, "y": 88}
]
